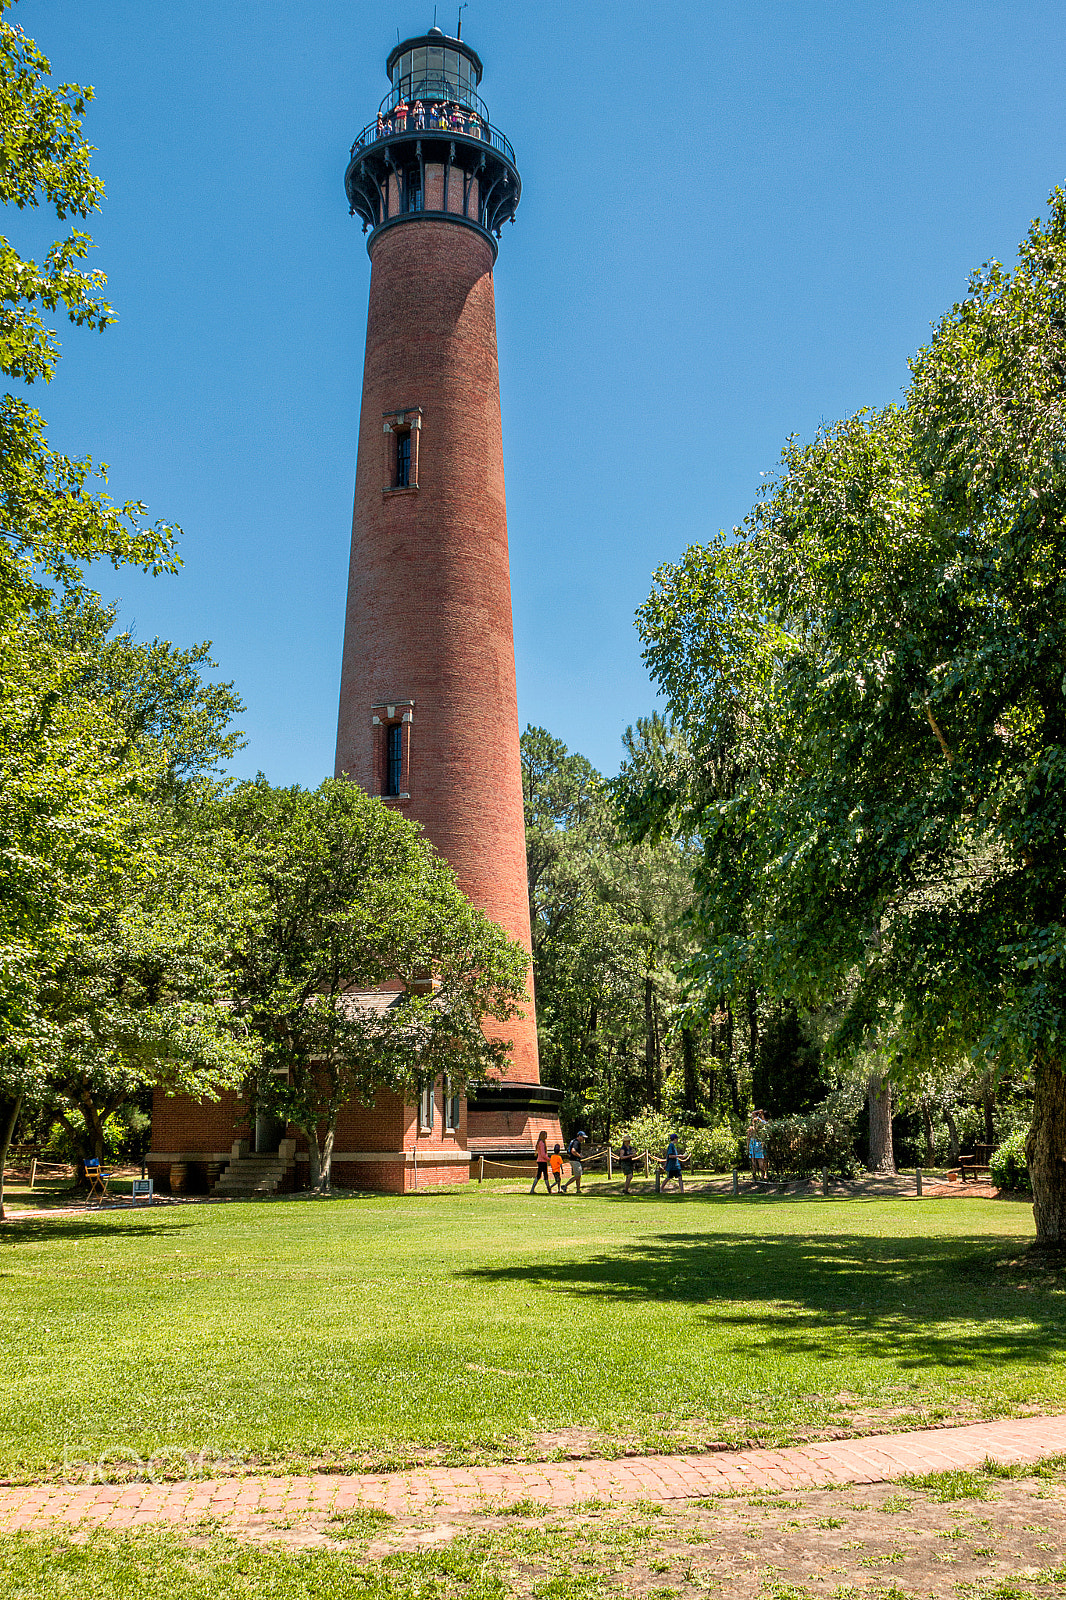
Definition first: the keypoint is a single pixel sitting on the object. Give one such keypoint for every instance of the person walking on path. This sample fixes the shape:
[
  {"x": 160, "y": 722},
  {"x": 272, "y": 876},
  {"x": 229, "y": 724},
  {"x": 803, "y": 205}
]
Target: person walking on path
[
  {"x": 556, "y": 1165},
  {"x": 673, "y": 1164},
  {"x": 542, "y": 1161},
  {"x": 573, "y": 1151},
  {"x": 627, "y": 1159}
]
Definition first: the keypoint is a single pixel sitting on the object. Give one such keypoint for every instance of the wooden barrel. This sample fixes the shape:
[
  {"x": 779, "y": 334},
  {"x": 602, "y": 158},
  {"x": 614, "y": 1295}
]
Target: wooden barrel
[
  {"x": 214, "y": 1172},
  {"x": 179, "y": 1176}
]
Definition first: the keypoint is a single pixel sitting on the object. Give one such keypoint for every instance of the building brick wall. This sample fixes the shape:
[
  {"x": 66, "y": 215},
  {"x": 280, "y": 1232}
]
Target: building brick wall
[
  {"x": 182, "y": 1125},
  {"x": 429, "y": 603}
]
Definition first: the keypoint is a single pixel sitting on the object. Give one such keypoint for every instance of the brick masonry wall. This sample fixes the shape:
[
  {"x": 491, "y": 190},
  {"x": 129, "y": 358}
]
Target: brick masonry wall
[
  {"x": 429, "y": 602},
  {"x": 182, "y": 1124},
  {"x": 509, "y": 1129}
]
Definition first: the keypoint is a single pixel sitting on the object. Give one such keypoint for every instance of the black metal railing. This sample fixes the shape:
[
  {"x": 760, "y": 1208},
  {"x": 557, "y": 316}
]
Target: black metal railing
[{"x": 440, "y": 117}]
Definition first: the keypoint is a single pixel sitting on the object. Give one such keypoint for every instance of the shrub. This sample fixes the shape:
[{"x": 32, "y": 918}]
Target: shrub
[
  {"x": 712, "y": 1149},
  {"x": 649, "y": 1130},
  {"x": 1009, "y": 1168},
  {"x": 798, "y": 1146}
]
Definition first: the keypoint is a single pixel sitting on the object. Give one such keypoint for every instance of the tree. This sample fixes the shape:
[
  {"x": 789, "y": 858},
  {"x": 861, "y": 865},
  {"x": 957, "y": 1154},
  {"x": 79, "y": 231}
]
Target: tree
[
  {"x": 352, "y": 899},
  {"x": 55, "y": 515},
  {"x": 606, "y": 913},
  {"x": 894, "y": 612},
  {"x": 787, "y": 1077},
  {"x": 129, "y": 918}
]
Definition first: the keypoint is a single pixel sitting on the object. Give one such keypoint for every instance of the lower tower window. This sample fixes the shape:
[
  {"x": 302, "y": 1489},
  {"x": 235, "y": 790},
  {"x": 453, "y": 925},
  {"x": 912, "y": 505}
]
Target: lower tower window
[
  {"x": 394, "y": 758},
  {"x": 391, "y": 723}
]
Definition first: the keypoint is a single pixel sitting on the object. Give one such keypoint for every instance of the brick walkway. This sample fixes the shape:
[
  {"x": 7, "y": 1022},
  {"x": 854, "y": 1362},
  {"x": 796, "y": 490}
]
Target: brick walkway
[{"x": 878, "y": 1459}]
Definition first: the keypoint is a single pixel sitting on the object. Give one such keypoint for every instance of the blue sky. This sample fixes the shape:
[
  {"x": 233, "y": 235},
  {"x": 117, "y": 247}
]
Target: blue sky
[{"x": 737, "y": 222}]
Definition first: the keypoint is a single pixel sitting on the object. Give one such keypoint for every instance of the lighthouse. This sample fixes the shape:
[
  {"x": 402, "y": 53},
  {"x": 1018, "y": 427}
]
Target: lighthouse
[{"x": 428, "y": 707}]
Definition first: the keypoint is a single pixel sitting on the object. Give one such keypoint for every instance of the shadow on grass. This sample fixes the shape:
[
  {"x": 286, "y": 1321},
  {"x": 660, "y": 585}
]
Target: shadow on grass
[
  {"x": 927, "y": 1301},
  {"x": 89, "y": 1225}
]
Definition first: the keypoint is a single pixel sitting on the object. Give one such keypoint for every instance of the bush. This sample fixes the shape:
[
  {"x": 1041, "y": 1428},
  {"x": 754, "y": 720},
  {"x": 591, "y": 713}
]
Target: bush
[
  {"x": 1009, "y": 1168},
  {"x": 798, "y": 1146},
  {"x": 649, "y": 1130},
  {"x": 711, "y": 1149},
  {"x": 717, "y": 1149}
]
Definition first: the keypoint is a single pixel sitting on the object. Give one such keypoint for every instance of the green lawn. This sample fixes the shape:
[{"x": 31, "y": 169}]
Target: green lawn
[{"x": 485, "y": 1321}]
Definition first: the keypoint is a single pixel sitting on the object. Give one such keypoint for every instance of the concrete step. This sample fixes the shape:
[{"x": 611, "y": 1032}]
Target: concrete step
[{"x": 251, "y": 1175}]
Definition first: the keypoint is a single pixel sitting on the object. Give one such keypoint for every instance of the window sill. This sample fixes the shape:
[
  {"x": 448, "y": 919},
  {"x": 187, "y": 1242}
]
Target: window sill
[
  {"x": 403, "y": 796},
  {"x": 407, "y": 488}
]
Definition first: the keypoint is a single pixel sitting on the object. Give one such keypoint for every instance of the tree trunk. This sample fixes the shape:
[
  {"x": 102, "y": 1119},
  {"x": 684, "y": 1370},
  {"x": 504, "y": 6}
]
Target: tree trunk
[
  {"x": 928, "y": 1123},
  {"x": 879, "y": 1104},
  {"x": 953, "y": 1135},
  {"x": 688, "y": 1057},
  {"x": 9, "y": 1115},
  {"x": 988, "y": 1106},
  {"x": 1045, "y": 1152},
  {"x": 325, "y": 1170},
  {"x": 658, "y": 1053},
  {"x": 649, "y": 1040},
  {"x": 94, "y": 1124},
  {"x": 753, "y": 1032}
]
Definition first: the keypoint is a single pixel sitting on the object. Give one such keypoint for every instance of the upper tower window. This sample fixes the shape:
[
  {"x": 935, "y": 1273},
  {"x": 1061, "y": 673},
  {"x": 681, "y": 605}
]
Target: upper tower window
[
  {"x": 403, "y": 460},
  {"x": 402, "y": 431}
]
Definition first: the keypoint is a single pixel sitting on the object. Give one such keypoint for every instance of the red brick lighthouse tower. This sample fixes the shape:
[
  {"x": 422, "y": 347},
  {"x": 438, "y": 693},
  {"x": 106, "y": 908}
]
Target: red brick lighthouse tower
[{"x": 428, "y": 708}]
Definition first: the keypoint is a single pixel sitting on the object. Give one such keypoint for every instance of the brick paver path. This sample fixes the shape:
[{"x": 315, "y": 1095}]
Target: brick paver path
[{"x": 878, "y": 1459}]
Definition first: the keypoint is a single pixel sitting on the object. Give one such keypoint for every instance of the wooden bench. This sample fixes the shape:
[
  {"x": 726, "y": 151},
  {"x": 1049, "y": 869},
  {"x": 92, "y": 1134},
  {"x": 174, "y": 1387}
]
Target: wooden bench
[{"x": 973, "y": 1165}]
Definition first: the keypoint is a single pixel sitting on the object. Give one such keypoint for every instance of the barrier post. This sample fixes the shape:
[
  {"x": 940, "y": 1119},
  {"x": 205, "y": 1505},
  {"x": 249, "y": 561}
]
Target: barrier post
[
  {"x": 647, "y": 1168},
  {"x": 825, "y": 1181},
  {"x": 414, "y": 1152},
  {"x": 480, "y": 1168},
  {"x": 736, "y": 1181},
  {"x": 33, "y": 1170},
  {"x": 918, "y": 1178},
  {"x": 658, "y": 1180},
  {"x": 610, "y": 1165}
]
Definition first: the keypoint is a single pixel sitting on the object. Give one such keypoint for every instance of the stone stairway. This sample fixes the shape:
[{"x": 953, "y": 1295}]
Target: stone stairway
[{"x": 249, "y": 1175}]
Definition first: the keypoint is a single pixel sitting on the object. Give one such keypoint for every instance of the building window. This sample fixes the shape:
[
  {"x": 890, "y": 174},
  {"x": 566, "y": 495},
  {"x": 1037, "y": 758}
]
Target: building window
[
  {"x": 403, "y": 460},
  {"x": 402, "y": 431},
  {"x": 425, "y": 1109},
  {"x": 452, "y": 1108},
  {"x": 414, "y": 189},
  {"x": 394, "y": 758}
]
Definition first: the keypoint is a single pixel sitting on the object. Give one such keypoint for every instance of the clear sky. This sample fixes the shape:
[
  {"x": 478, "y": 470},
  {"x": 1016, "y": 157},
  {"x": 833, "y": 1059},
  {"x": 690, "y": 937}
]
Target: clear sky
[{"x": 737, "y": 222}]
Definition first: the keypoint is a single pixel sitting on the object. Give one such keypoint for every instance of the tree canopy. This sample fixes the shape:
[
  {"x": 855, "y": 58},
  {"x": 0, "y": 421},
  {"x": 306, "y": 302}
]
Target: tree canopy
[
  {"x": 882, "y": 650},
  {"x": 352, "y": 899}
]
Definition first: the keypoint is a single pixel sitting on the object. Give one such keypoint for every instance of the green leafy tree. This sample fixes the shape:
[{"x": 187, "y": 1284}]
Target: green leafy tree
[
  {"x": 353, "y": 899},
  {"x": 605, "y": 911},
  {"x": 68, "y": 791},
  {"x": 143, "y": 900},
  {"x": 891, "y": 626}
]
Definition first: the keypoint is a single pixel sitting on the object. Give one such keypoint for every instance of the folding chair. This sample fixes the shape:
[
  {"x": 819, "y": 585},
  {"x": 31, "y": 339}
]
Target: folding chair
[{"x": 97, "y": 1179}]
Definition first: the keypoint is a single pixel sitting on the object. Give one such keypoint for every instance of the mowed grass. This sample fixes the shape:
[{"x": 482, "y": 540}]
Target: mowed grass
[{"x": 487, "y": 1322}]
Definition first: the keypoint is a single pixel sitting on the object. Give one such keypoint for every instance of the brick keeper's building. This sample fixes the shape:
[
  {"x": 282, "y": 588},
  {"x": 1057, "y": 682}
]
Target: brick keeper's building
[{"x": 428, "y": 706}]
